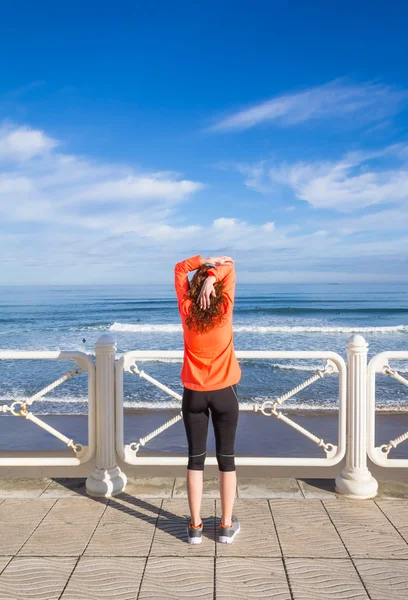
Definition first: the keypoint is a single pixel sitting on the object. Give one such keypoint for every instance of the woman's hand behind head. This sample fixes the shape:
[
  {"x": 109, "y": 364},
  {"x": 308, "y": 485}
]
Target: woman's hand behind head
[{"x": 218, "y": 260}]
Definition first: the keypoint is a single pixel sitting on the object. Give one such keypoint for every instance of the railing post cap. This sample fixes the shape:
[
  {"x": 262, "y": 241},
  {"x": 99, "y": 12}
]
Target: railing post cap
[
  {"x": 105, "y": 340},
  {"x": 357, "y": 341}
]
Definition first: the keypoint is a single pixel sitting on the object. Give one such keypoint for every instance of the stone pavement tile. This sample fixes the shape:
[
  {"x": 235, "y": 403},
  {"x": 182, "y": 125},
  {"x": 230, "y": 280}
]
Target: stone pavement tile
[
  {"x": 304, "y": 529},
  {"x": 119, "y": 538},
  {"x": 250, "y": 579},
  {"x": 170, "y": 538},
  {"x": 268, "y": 487},
  {"x": 365, "y": 531},
  {"x": 35, "y": 578},
  {"x": 210, "y": 490},
  {"x": 66, "y": 529},
  {"x": 23, "y": 488},
  {"x": 150, "y": 487},
  {"x": 18, "y": 520},
  {"x": 110, "y": 578},
  {"x": 126, "y": 508},
  {"x": 126, "y": 528},
  {"x": 174, "y": 578},
  {"x": 384, "y": 578},
  {"x": 318, "y": 488},
  {"x": 65, "y": 487},
  {"x": 392, "y": 489},
  {"x": 397, "y": 512},
  {"x": 257, "y": 536},
  {"x": 324, "y": 579}
]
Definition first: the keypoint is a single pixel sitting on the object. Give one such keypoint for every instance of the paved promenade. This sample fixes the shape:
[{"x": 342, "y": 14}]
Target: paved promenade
[{"x": 298, "y": 540}]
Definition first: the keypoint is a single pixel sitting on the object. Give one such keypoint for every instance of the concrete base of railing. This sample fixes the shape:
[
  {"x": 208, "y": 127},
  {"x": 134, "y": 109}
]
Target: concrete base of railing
[
  {"x": 356, "y": 483},
  {"x": 106, "y": 483}
]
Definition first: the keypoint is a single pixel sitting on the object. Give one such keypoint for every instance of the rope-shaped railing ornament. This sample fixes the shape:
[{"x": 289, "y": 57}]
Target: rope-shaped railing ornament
[
  {"x": 134, "y": 446},
  {"x": 40, "y": 394},
  {"x": 395, "y": 375},
  {"x": 134, "y": 369},
  {"x": 386, "y": 448},
  {"x": 329, "y": 369},
  {"x": 19, "y": 409}
]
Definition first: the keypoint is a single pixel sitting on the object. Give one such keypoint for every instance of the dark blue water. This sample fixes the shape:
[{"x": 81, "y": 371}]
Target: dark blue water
[{"x": 266, "y": 317}]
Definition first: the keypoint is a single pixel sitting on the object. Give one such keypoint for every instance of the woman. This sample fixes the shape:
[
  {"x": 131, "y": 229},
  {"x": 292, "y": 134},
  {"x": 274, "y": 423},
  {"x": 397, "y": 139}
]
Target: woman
[{"x": 210, "y": 373}]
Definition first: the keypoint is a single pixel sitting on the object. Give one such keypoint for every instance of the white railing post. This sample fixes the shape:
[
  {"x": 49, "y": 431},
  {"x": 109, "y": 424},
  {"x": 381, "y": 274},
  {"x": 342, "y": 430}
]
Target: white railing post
[
  {"x": 107, "y": 479},
  {"x": 356, "y": 481}
]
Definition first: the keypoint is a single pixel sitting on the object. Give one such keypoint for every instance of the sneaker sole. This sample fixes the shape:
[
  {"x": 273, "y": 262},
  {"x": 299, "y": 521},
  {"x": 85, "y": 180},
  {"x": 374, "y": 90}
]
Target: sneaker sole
[
  {"x": 224, "y": 539},
  {"x": 194, "y": 540}
]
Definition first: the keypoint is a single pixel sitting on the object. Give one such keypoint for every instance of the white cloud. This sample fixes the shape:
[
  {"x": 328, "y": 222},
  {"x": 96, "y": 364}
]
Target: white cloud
[
  {"x": 350, "y": 184},
  {"x": 23, "y": 143},
  {"x": 95, "y": 221},
  {"x": 368, "y": 101},
  {"x": 39, "y": 183},
  {"x": 134, "y": 187}
]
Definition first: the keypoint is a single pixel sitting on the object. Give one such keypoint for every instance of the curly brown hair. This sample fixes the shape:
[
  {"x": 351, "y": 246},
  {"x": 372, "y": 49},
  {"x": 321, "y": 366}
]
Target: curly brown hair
[{"x": 203, "y": 320}]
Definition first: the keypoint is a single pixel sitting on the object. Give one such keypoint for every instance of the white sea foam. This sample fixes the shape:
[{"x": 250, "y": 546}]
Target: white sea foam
[
  {"x": 54, "y": 405},
  {"x": 14, "y": 397},
  {"x": 174, "y": 328}
]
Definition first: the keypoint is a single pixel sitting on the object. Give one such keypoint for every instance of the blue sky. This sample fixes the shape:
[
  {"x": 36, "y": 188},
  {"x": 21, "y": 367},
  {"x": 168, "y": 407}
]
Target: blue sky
[{"x": 134, "y": 134}]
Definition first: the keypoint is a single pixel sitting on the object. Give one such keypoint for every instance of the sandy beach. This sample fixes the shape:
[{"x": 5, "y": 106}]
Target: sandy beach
[{"x": 256, "y": 436}]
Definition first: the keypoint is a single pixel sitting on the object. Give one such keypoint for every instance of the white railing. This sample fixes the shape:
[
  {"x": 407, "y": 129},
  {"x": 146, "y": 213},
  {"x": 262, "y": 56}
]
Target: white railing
[
  {"x": 21, "y": 408},
  {"x": 381, "y": 454},
  {"x": 106, "y": 440},
  {"x": 334, "y": 452}
]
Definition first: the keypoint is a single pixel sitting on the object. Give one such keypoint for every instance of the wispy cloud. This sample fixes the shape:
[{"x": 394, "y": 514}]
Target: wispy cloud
[
  {"x": 75, "y": 217},
  {"x": 40, "y": 183},
  {"x": 356, "y": 181},
  {"x": 371, "y": 102}
]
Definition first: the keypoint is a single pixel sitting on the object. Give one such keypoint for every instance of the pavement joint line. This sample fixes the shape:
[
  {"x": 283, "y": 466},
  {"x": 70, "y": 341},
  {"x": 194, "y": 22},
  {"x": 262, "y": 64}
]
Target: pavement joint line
[
  {"x": 6, "y": 565},
  {"x": 281, "y": 551},
  {"x": 173, "y": 488},
  {"x": 348, "y": 553},
  {"x": 142, "y": 577},
  {"x": 189, "y": 554},
  {"x": 95, "y": 528},
  {"x": 389, "y": 520},
  {"x": 300, "y": 487},
  {"x": 150, "y": 547},
  {"x": 44, "y": 490},
  {"x": 69, "y": 578},
  {"x": 214, "y": 578},
  {"x": 35, "y": 528},
  {"x": 215, "y": 527}
]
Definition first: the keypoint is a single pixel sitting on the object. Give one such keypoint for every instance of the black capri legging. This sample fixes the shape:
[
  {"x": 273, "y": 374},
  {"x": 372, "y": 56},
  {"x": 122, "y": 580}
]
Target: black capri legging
[{"x": 196, "y": 407}]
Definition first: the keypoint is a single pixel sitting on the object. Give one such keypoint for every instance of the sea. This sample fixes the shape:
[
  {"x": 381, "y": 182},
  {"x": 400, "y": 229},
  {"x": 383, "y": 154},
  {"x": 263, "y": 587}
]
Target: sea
[{"x": 317, "y": 317}]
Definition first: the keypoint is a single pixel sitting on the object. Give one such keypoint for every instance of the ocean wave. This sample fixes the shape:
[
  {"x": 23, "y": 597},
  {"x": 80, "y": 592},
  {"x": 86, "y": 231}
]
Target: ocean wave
[
  {"x": 297, "y": 310},
  {"x": 173, "y": 328}
]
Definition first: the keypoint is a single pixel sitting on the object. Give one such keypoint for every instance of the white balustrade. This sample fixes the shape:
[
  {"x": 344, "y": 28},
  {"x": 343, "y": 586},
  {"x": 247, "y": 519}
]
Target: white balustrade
[
  {"x": 106, "y": 479},
  {"x": 356, "y": 480},
  {"x": 334, "y": 452},
  {"x": 356, "y": 416},
  {"x": 382, "y": 455},
  {"x": 20, "y": 408}
]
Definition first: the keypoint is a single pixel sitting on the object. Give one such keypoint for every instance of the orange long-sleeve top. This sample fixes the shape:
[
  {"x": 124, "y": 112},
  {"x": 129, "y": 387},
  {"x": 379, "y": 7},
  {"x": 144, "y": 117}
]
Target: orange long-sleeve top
[{"x": 209, "y": 358}]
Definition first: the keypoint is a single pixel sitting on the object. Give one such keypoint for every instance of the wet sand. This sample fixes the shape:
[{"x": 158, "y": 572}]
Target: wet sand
[{"x": 256, "y": 436}]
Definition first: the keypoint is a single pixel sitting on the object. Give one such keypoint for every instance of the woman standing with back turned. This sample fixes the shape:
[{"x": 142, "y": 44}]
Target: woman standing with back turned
[{"x": 209, "y": 375}]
